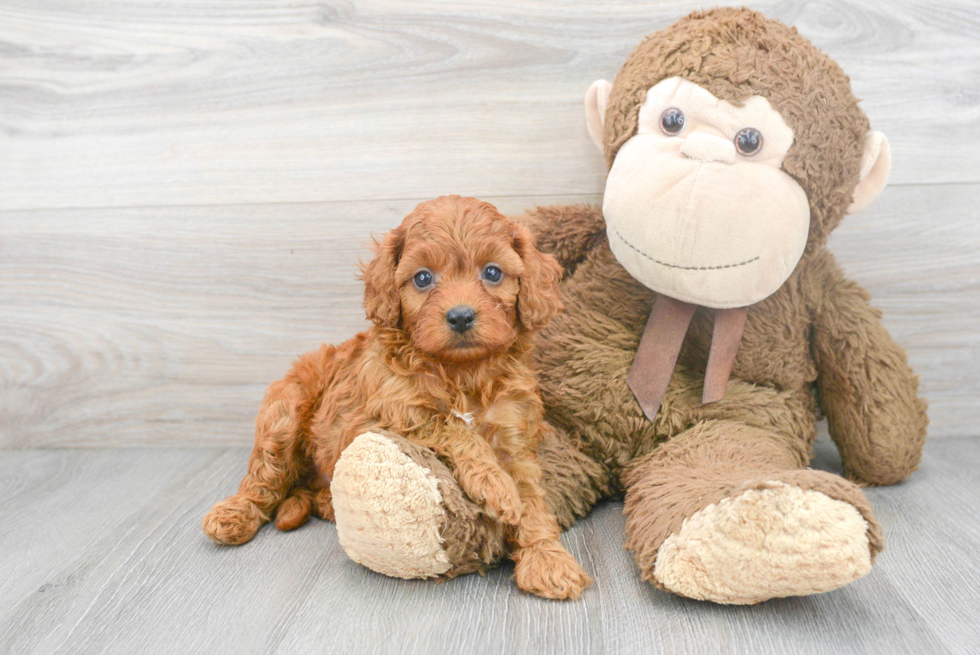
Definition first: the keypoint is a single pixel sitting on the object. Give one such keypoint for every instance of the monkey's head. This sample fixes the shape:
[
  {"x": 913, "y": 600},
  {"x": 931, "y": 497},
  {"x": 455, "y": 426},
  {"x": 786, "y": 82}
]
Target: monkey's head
[{"x": 734, "y": 146}]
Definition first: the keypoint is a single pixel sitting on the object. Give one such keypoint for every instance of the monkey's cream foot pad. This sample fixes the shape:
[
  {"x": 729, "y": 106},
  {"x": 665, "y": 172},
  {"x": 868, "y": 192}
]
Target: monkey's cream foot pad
[
  {"x": 389, "y": 510},
  {"x": 765, "y": 543}
]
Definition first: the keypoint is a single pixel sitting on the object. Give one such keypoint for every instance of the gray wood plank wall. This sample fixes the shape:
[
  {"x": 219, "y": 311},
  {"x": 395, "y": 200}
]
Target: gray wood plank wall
[{"x": 185, "y": 187}]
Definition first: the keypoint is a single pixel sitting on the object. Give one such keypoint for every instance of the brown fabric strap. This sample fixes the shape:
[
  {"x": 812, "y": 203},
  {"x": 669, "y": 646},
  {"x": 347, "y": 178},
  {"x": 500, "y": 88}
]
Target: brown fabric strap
[
  {"x": 661, "y": 343},
  {"x": 657, "y": 354},
  {"x": 727, "y": 334}
]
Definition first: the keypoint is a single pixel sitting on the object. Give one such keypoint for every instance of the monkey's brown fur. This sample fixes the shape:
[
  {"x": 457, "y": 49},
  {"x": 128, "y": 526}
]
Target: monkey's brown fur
[
  {"x": 814, "y": 347},
  {"x": 413, "y": 375}
]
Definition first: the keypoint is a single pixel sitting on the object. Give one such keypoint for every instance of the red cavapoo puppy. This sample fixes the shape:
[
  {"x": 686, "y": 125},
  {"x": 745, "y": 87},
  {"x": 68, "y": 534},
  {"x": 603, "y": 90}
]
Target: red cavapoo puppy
[{"x": 455, "y": 294}]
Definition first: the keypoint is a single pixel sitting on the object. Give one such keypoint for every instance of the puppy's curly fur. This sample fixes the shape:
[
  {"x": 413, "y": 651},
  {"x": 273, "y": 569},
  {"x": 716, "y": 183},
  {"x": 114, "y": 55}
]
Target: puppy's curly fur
[{"x": 413, "y": 374}]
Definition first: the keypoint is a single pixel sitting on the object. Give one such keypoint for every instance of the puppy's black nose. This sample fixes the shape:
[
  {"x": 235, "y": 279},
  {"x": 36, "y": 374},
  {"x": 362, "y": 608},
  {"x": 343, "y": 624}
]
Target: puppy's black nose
[{"x": 460, "y": 318}]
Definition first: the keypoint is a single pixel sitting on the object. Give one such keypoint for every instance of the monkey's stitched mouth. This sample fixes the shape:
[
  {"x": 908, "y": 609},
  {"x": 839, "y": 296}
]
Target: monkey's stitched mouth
[{"x": 678, "y": 266}]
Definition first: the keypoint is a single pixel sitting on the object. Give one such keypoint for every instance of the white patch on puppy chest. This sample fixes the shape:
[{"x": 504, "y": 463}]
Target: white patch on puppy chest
[{"x": 466, "y": 418}]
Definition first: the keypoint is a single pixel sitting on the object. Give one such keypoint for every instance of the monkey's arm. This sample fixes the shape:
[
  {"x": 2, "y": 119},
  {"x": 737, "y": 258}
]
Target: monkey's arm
[
  {"x": 867, "y": 390},
  {"x": 568, "y": 232}
]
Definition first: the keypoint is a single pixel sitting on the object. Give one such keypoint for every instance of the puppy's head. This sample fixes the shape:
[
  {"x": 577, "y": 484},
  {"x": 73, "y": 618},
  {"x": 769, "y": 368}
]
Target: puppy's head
[{"x": 461, "y": 280}]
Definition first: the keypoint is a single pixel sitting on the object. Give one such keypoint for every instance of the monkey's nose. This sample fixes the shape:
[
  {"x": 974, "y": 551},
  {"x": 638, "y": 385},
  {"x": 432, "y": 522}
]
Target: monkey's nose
[
  {"x": 460, "y": 318},
  {"x": 708, "y": 147}
]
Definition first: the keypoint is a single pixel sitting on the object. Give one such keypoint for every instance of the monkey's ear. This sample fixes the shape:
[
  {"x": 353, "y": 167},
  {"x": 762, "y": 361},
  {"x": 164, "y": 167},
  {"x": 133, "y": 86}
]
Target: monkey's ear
[
  {"x": 595, "y": 111},
  {"x": 876, "y": 164}
]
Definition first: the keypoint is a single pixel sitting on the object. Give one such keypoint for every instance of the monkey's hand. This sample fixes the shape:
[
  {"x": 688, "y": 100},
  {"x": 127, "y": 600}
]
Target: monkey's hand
[{"x": 867, "y": 390}]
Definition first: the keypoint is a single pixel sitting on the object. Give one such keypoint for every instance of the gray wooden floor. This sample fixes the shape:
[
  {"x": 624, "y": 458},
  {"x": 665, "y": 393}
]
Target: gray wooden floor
[{"x": 101, "y": 552}]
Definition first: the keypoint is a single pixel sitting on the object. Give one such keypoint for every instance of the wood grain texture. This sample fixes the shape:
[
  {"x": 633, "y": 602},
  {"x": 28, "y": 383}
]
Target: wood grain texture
[
  {"x": 165, "y": 325},
  {"x": 182, "y": 267},
  {"x": 103, "y": 553},
  {"x": 121, "y": 103}
]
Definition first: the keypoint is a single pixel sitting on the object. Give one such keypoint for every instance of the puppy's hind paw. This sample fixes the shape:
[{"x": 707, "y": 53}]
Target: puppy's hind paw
[
  {"x": 232, "y": 521},
  {"x": 548, "y": 570}
]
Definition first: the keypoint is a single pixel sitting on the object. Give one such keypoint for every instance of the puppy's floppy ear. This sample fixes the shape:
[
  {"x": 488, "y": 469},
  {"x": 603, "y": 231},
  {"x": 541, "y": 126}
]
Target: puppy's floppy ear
[
  {"x": 382, "y": 303},
  {"x": 537, "y": 300}
]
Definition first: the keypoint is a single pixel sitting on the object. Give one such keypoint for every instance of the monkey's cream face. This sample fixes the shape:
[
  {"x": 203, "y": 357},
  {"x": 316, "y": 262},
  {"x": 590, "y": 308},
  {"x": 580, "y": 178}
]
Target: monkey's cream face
[{"x": 696, "y": 205}]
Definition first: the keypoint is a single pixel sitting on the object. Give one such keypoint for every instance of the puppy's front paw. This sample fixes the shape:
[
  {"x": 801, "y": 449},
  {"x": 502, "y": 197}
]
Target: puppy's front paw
[
  {"x": 501, "y": 499},
  {"x": 232, "y": 521},
  {"x": 548, "y": 570}
]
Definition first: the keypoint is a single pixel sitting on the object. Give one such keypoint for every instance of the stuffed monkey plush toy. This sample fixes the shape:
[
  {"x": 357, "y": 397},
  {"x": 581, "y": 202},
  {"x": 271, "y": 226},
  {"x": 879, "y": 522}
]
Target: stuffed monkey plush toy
[{"x": 706, "y": 330}]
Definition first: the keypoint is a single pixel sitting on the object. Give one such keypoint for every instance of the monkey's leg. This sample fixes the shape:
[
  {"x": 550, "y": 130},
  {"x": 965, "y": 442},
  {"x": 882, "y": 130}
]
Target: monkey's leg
[
  {"x": 275, "y": 464},
  {"x": 724, "y": 512},
  {"x": 420, "y": 524}
]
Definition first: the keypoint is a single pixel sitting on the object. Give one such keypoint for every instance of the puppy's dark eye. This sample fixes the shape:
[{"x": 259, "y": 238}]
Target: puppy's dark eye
[
  {"x": 672, "y": 121},
  {"x": 423, "y": 279},
  {"x": 492, "y": 274},
  {"x": 748, "y": 141}
]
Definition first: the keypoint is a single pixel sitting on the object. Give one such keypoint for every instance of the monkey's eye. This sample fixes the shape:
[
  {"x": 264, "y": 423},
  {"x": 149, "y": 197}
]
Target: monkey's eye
[
  {"x": 423, "y": 279},
  {"x": 672, "y": 121},
  {"x": 748, "y": 141},
  {"x": 492, "y": 273}
]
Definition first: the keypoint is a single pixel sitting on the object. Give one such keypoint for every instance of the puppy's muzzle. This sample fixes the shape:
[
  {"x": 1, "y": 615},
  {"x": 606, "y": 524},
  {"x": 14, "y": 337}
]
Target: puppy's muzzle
[{"x": 460, "y": 318}]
